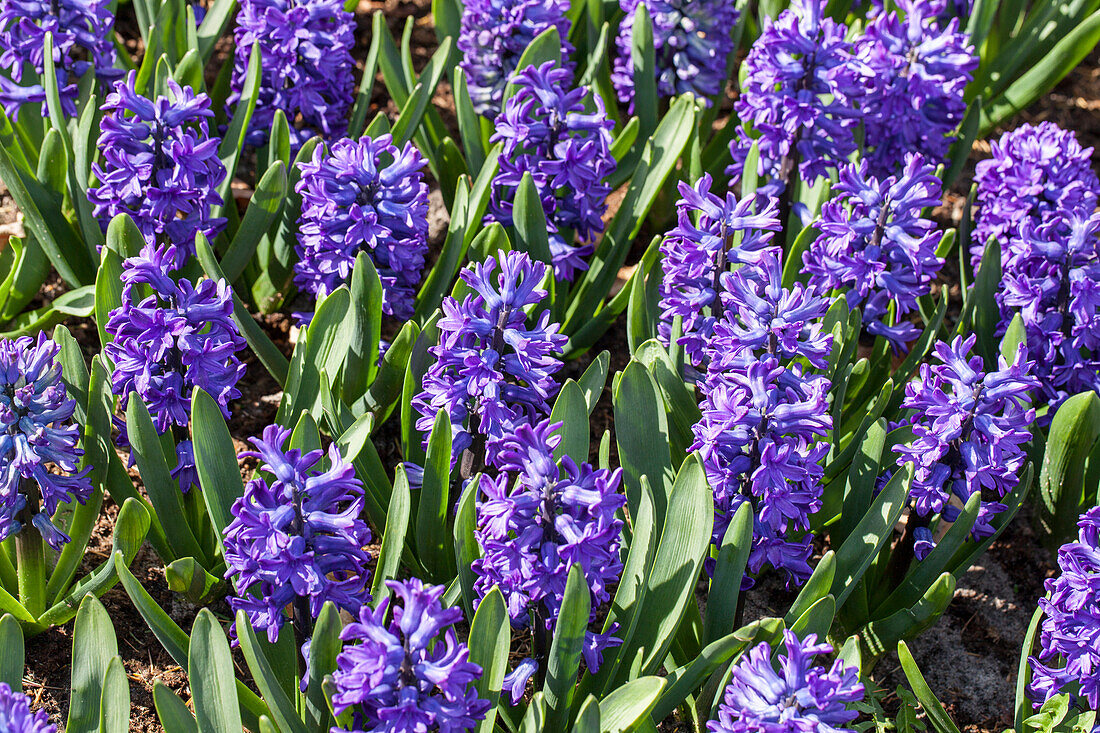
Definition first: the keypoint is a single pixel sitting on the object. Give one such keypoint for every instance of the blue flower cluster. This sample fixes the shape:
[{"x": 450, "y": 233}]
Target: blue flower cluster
[
  {"x": 81, "y": 32},
  {"x": 160, "y": 166},
  {"x": 534, "y": 528},
  {"x": 763, "y": 416},
  {"x": 493, "y": 36},
  {"x": 876, "y": 245},
  {"x": 800, "y": 697},
  {"x": 797, "y": 100},
  {"x": 712, "y": 235},
  {"x": 970, "y": 430},
  {"x": 16, "y": 715},
  {"x": 1054, "y": 283},
  {"x": 1035, "y": 171},
  {"x": 915, "y": 71},
  {"x": 1069, "y": 658},
  {"x": 409, "y": 672},
  {"x": 492, "y": 372},
  {"x": 177, "y": 337},
  {"x": 692, "y": 40},
  {"x": 37, "y": 432},
  {"x": 297, "y": 536},
  {"x": 306, "y": 66},
  {"x": 547, "y": 131},
  {"x": 364, "y": 195}
]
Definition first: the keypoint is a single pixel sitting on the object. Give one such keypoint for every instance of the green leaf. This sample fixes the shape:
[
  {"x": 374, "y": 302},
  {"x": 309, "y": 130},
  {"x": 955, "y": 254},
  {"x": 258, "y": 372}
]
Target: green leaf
[
  {"x": 594, "y": 379},
  {"x": 621, "y": 710},
  {"x": 468, "y": 125},
  {"x": 324, "y": 647},
  {"x": 282, "y": 707},
  {"x": 565, "y": 650},
  {"x": 545, "y": 47},
  {"x": 11, "y": 653},
  {"x": 188, "y": 577},
  {"x": 860, "y": 483},
  {"x": 466, "y": 547},
  {"x": 980, "y": 311},
  {"x": 643, "y": 438},
  {"x": 164, "y": 492},
  {"x": 229, "y": 152},
  {"x": 490, "y": 636},
  {"x": 323, "y": 346},
  {"x": 215, "y": 460},
  {"x": 114, "y": 704},
  {"x": 1023, "y": 671},
  {"x": 871, "y": 533},
  {"x": 213, "y": 25},
  {"x": 263, "y": 211},
  {"x": 816, "y": 587},
  {"x": 364, "y": 323},
  {"x": 941, "y": 721},
  {"x": 173, "y": 713},
  {"x": 393, "y": 539},
  {"x": 644, "y": 67},
  {"x": 881, "y": 635},
  {"x": 210, "y": 671},
  {"x": 412, "y": 110},
  {"x": 588, "y": 718},
  {"x": 571, "y": 411},
  {"x": 1073, "y": 433},
  {"x": 433, "y": 544},
  {"x": 817, "y": 619},
  {"x": 94, "y": 647},
  {"x": 729, "y": 571},
  {"x": 530, "y": 221},
  {"x": 385, "y": 390},
  {"x": 670, "y": 585}
]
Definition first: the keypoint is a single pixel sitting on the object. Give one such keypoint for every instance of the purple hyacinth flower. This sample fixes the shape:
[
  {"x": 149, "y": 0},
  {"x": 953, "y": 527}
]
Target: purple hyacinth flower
[
  {"x": 16, "y": 715},
  {"x": 970, "y": 429},
  {"x": 37, "y": 432},
  {"x": 547, "y": 130},
  {"x": 1053, "y": 281},
  {"x": 533, "y": 528},
  {"x": 797, "y": 101},
  {"x": 800, "y": 697},
  {"x": 408, "y": 673},
  {"x": 82, "y": 33},
  {"x": 306, "y": 67},
  {"x": 160, "y": 166},
  {"x": 296, "y": 535},
  {"x": 492, "y": 371},
  {"x": 1069, "y": 656},
  {"x": 364, "y": 195},
  {"x": 915, "y": 71},
  {"x": 493, "y": 36},
  {"x": 876, "y": 245},
  {"x": 712, "y": 234},
  {"x": 1035, "y": 171},
  {"x": 178, "y": 337},
  {"x": 692, "y": 40},
  {"x": 763, "y": 416}
]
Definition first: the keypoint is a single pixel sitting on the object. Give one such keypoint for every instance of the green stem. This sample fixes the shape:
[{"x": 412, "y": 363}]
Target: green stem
[{"x": 30, "y": 556}]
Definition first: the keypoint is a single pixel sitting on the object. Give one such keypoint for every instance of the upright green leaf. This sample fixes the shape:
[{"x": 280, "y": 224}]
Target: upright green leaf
[
  {"x": 210, "y": 671},
  {"x": 94, "y": 647}
]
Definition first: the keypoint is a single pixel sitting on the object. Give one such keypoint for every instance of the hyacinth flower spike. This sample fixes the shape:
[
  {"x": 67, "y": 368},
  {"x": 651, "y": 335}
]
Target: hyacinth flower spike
[
  {"x": 297, "y": 540},
  {"x": 16, "y": 715},
  {"x": 533, "y": 528},
  {"x": 37, "y": 433}
]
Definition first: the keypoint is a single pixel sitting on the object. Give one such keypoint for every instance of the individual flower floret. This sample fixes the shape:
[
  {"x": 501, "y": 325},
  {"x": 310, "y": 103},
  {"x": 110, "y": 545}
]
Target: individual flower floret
[
  {"x": 876, "y": 245},
  {"x": 534, "y": 528},
  {"x": 692, "y": 40},
  {"x": 36, "y": 431},
  {"x": 492, "y": 372},
  {"x": 797, "y": 99},
  {"x": 800, "y": 697},
  {"x": 547, "y": 130},
  {"x": 1054, "y": 282},
  {"x": 1069, "y": 657},
  {"x": 409, "y": 673},
  {"x": 763, "y": 416},
  {"x": 178, "y": 337},
  {"x": 969, "y": 429},
  {"x": 160, "y": 166},
  {"x": 306, "y": 67},
  {"x": 82, "y": 40},
  {"x": 16, "y": 715},
  {"x": 1035, "y": 171},
  {"x": 493, "y": 37},
  {"x": 712, "y": 235},
  {"x": 915, "y": 71},
  {"x": 297, "y": 540},
  {"x": 364, "y": 195}
]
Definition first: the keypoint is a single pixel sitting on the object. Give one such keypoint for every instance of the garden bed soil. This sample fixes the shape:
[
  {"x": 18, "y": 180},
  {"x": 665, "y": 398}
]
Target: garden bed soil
[{"x": 969, "y": 657}]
